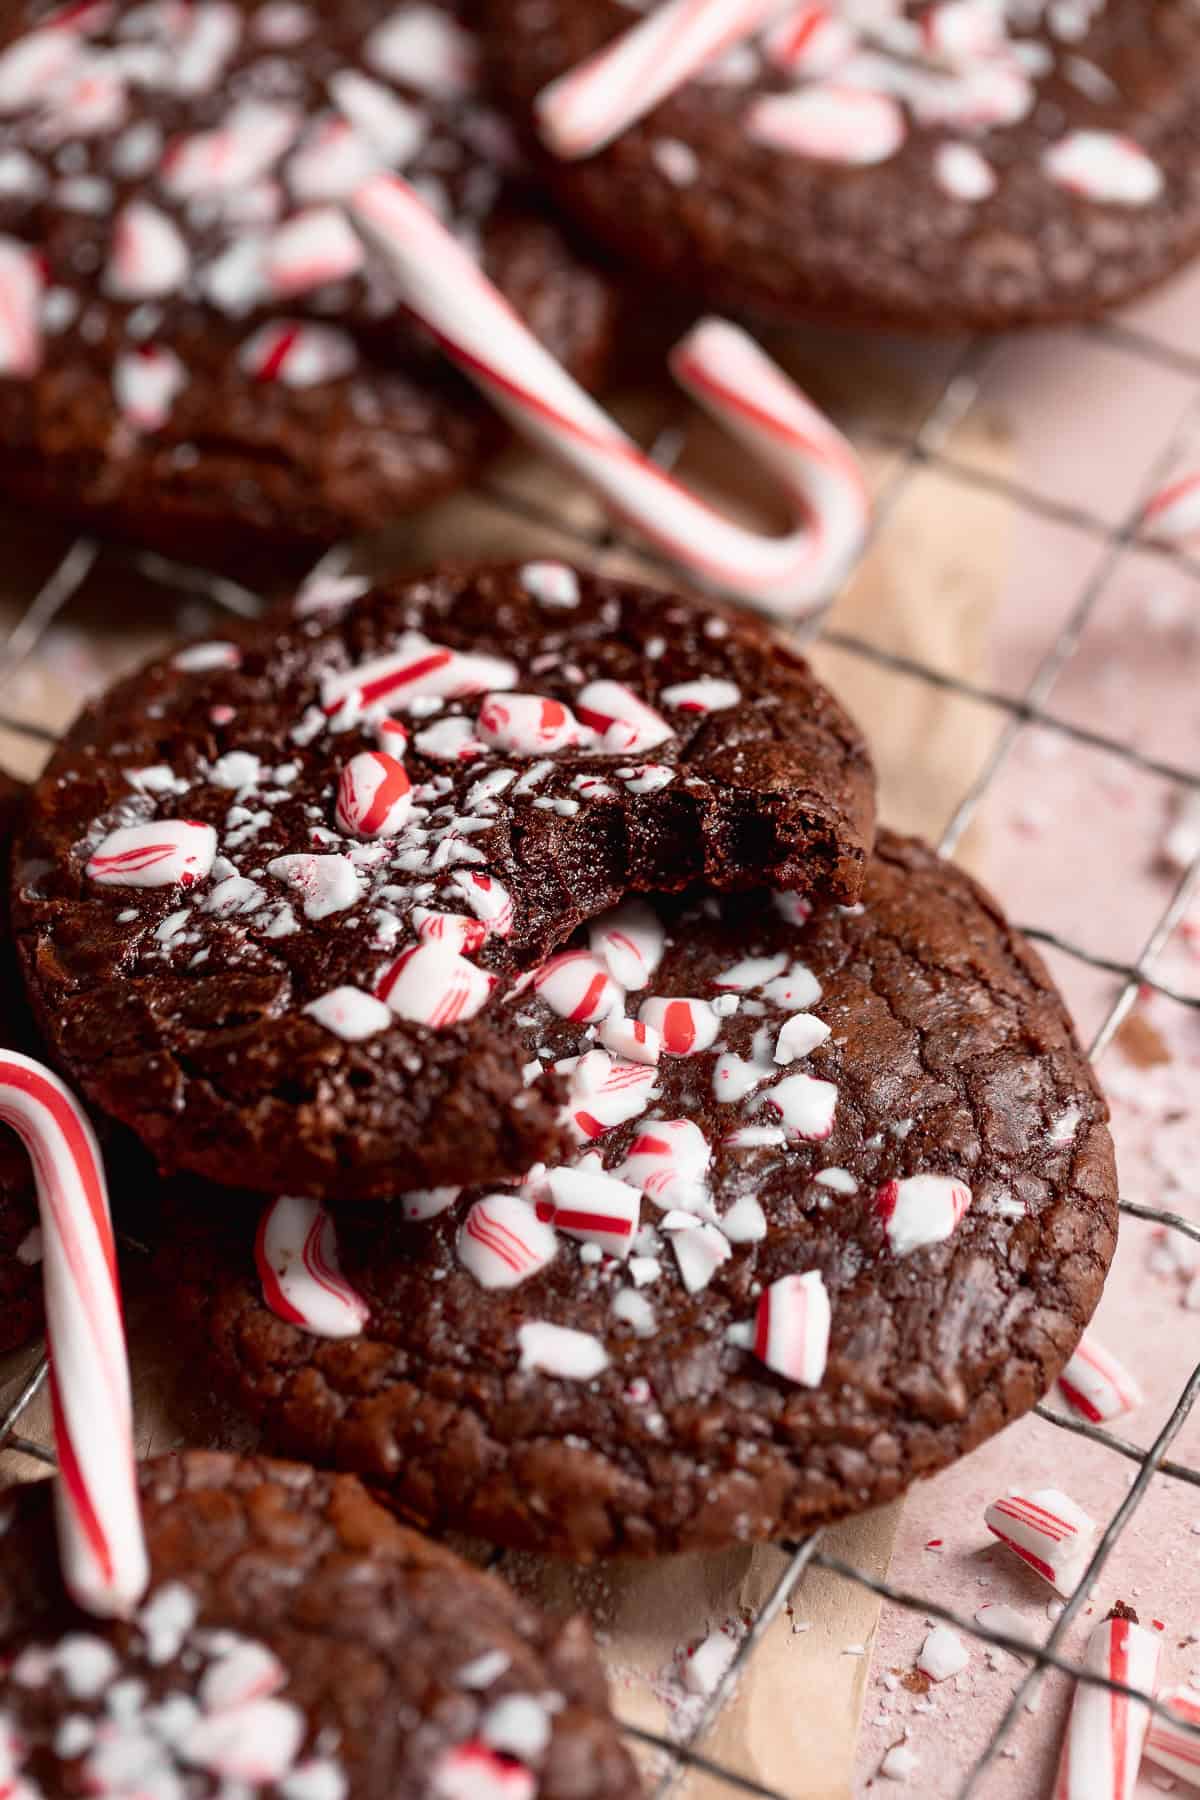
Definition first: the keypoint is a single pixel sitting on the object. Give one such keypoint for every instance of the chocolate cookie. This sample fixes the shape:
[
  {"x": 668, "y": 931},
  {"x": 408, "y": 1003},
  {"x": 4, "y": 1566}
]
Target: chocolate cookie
[
  {"x": 297, "y": 1643},
  {"x": 930, "y": 165},
  {"x": 20, "y": 1238},
  {"x": 191, "y": 342},
  {"x": 842, "y": 1203},
  {"x": 265, "y": 942}
]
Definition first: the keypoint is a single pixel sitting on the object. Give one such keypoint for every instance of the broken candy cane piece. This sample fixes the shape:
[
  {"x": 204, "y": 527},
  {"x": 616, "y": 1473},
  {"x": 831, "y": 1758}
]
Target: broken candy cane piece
[
  {"x": 600, "y": 1209},
  {"x": 296, "y": 1254},
  {"x": 165, "y": 853},
  {"x": 805, "y": 1104},
  {"x": 1096, "y": 1385},
  {"x": 719, "y": 364},
  {"x": 1104, "y": 166},
  {"x": 625, "y": 723},
  {"x": 503, "y": 1242},
  {"x": 700, "y": 1249},
  {"x": 1048, "y": 1531},
  {"x": 1106, "y": 1731},
  {"x": 631, "y": 1039},
  {"x": 349, "y": 1014},
  {"x": 1177, "y": 1746},
  {"x": 557, "y": 1350},
  {"x": 431, "y": 984},
  {"x": 526, "y": 724},
  {"x": 942, "y": 1654},
  {"x": 686, "y": 1027},
  {"x": 465, "y": 935},
  {"x": 488, "y": 899},
  {"x": 921, "y": 1210},
  {"x": 791, "y": 1327},
  {"x": 668, "y": 1160},
  {"x": 577, "y": 986},
  {"x": 799, "y": 1036},
  {"x": 415, "y": 670},
  {"x": 604, "y": 1093},
  {"x": 474, "y": 1771},
  {"x": 326, "y": 884},
  {"x": 630, "y": 939},
  {"x": 374, "y": 795},
  {"x": 829, "y": 123}
]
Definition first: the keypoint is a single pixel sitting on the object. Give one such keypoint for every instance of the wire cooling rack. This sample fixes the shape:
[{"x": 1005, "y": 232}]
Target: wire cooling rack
[{"x": 928, "y": 445}]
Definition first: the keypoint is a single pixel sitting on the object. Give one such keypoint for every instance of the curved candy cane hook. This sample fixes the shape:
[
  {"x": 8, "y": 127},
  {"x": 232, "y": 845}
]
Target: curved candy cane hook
[
  {"x": 717, "y": 363},
  {"x": 590, "y": 105},
  {"x": 103, "y": 1551}
]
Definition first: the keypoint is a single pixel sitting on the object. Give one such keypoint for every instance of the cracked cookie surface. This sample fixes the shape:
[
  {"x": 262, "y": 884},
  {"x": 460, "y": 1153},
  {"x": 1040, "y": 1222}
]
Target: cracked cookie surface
[
  {"x": 297, "y": 1643},
  {"x": 850, "y": 1223},
  {"x": 271, "y": 891}
]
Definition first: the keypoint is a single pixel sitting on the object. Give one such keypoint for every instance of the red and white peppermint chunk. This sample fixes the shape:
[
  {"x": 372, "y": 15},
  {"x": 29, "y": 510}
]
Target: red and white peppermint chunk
[
  {"x": 982, "y": 96},
  {"x": 526, "y": 724},
  {"x": 798, "y": 989},
  {"x": 1049, "y": 1531},
  {"x": 686, "y": 1027},
  {"x": 551, "y": 583},
  {"x": 296, "y": 1254},
  {"x": 165, "y": 853},
  {"x": 604, "y": 1093},
  {"x": 799, "y": 1036},
  {"x": 1104, "y": 166},
  {"x": 577, "y": 985},
  {"x": 449, "y": 740},
  {"x": 420, "y": 1204},
  {"x": 256, "y": 1743},
  {"x": 962, "y": 31},
  {"x": 297, "y": 354},
  {"x": 805, "y": 1105},
  {"x": 503, "y": 1242},
  {"x": 1096, "y": 1385},
  {"x": 1176, "y": 1746},
  {"x": 598, "y": 1208},
  {"x": 795, "y": 908},
  {"x": 33, "y": 65},
  {"x": 751, "y": 972},
  {"x": 21, "y": 285},
  {"x": 830, "y": 124},
  {"x": 431, "y": 984},
  {"x": 423, "y": 47},
  {"x": 149, "y": 257},
  {"x": 415, "y": 670},
  {"x": 331, "y": 163},
  {"x": 705, "y": 695},
  {"x": 244, "y": 1671},
  {"x": 474, "y": 1771},
  {"x": 791, "y": 1328},
  {"x": 668, "y": 1161},
  {"x": 374, "y": 796},
  {"x": 631, "y": 940},
  {"x": 700, "y": 1249},
  {"x": 626, "y": 724},
  {"x": 557, "y": 1350},
  {"x": 146, "y": 382},
  {"x": 350, "y": 1014},
  {"x": 921, "y": 1210},
  {"x": 198, "y": 659},
  {"x": 963, "y": 172},
  {"x": 394, "y": 129},
  {"x": 466, "y": 935},
  {"x": 314, "y": 247},
  {"x": 631, "y": 1039},
  {"x": 325, "y": 884},
  {"x": 810, "y": 40},
  {"x": 488, "y": 899},
  {"x": 254, "y": 135}
]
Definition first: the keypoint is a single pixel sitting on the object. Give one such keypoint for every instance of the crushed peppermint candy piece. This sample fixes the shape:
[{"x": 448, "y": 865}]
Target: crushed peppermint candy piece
[
  {"x": 374, "y": 796},
  {"x": 686, "y": 1027},
  {"x": 325, "y": 884},
  {"x": 625, "y": 723},
  {"x": 1105, "y": 167},
  {"x": 487, "y": 898},
  {"x": 21, "y": 284},
  {"x": 298, "y": 354},
  {"x": 350, "y": 1014},
  {"x": 1053, "y": 1535},
  {"x": 702, "y": 696},
  {"x": 296, "y": 1254},
  {"x": 474, "y": 1771},
  {"x": 799, "y": 1036},
  {"x": 598, "y": 1208},
  {"x": 558, "y": 1350},
  {"x": 791, "y": 1328},
  {"x": 805, "y": 1104},
  {"x": 577, "y": 986},
  {"x": 921, "y": 1210},
  {"x": 830, "y": 124},
  {"x": 551, "y": 583},
  {"x": 943, "y": 1654},
  {"x": 700, "y": 1249},
  {"x": 630, "y": 939},
  {"x": 431, "y": 984},
  {"x": 526, "y": 724},
  {"x": 166, "y": 853},
  {"x": 416, "y": 670},
  {"x": 1096, "y": 1385},
  {"x": 146, "y": 383},
  {"x": 631, "y": 1039},
  {"x": 503, "y": 1242},
  {"x": 668, "y": 1161}
]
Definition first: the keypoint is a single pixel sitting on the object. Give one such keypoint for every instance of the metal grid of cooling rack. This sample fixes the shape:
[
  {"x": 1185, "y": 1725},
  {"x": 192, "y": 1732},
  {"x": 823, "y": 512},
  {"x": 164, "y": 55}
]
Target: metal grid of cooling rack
[{"x": 923, "y": 447}]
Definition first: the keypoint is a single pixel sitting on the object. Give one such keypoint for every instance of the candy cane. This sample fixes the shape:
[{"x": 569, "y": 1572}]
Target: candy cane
[
  {"x": 592, "y": 104},
  {"x": 1177, "y": 1747},
  {"x": 99, "y": 1525},
  {"x": 1106, "y": 1731},
  {"x": 718, "y": 364}
]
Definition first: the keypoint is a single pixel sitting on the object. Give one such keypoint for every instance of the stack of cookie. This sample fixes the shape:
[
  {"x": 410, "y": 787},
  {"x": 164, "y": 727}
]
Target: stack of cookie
[{"x": 577, "y": 1122}]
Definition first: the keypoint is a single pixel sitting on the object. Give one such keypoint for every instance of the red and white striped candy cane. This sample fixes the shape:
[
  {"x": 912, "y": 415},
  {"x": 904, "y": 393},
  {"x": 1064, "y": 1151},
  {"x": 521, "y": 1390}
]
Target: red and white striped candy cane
[
  {"x": 1096, "y": 1385},
  {"x": 99, "y": 1525},
  {"x": 717, "y": 363},
  {"x": 1048, "y": 1531},
  {"x": 1177, "y": 1747},
  {"x": 1106, "y": 1731},
  {"x": 590, "y": 105}
]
